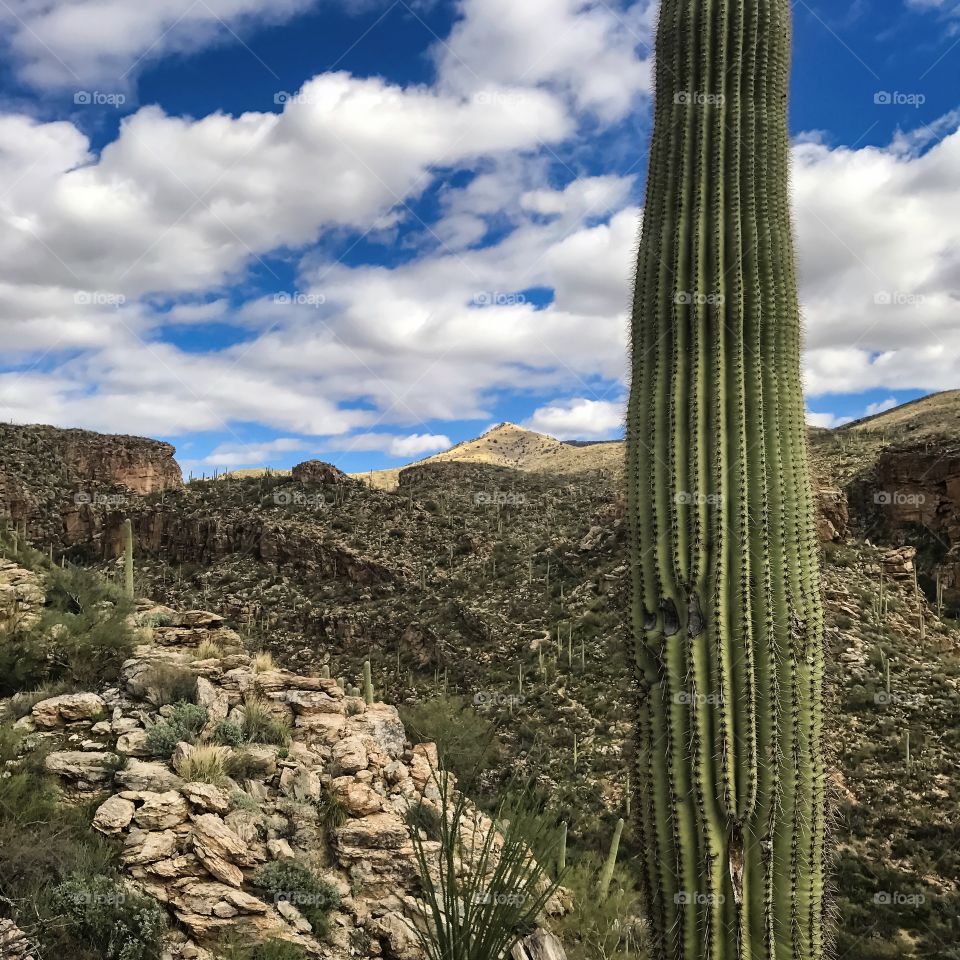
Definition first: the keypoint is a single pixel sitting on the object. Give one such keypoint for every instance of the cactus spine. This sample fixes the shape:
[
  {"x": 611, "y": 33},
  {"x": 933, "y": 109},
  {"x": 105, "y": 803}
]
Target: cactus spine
[
  {"x": 726, "y": 607},
  {"x": 128, "y": 558}
]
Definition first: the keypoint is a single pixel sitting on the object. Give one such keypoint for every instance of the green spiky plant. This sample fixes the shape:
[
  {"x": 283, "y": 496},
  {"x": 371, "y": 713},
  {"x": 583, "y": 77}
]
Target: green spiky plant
[{"x": 726, "y": 606}]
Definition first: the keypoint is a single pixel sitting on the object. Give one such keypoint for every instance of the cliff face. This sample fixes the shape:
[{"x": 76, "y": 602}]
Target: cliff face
[
  {"x": 47, "y": 473},
  {"x": 912, "y": 495}
]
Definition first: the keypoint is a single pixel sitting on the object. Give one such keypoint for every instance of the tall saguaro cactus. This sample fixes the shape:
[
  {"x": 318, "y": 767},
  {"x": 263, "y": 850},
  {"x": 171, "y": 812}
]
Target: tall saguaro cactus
[
  {"x": 727, "y": 616},
  {"x": 128, "y": 588}
]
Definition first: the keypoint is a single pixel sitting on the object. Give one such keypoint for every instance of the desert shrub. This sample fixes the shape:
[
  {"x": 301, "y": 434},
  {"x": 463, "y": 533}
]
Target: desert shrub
[
  {"x": 208, "y": 650},
  {"x": 289, "y": 880},
  {"x": 236, "y": 948},
  {"x": 102, "y": 914},
  {"x": 475, "y": 907},
  {"x": 607, "y": 927},
  {"x": 261, "y": 726},
  {"x": 184, "y": 723},
  {"x": 82, "y": 636},
  {"x": 241, "y": 765},
  {"x": 263, "y": 662},
  {"x": 206, "y": 763},
  {"x": 167, "y": 683},
  {"x": 331, "y": 810},
  {"x": 242, "y": 800},
  {"x": 227, "y": 733},
  {"x": 466, "y": 742},
  {"x": 422, "y": 816}
]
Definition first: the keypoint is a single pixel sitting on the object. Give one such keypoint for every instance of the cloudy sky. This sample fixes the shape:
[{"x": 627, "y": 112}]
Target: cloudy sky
[{"x": 363, "y": 230}]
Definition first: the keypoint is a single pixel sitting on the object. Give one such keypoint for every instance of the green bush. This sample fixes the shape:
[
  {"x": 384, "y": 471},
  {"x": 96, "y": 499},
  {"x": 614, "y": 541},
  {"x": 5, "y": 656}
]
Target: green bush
[
  {"x": 289, "y": 880},
  {"x": 184, "y": 723},
  {"x": 466, "y": 742},
  {"x": 261, "y": 726},
  {"x": 82, "y": 637},
  {"x": 166, "y": 684},
  {"x": 331, "y": 810},
  {"x": 228, "y": 734},
  {"x": 103, "y": 914},
  {"x": 237, "y": 949}
]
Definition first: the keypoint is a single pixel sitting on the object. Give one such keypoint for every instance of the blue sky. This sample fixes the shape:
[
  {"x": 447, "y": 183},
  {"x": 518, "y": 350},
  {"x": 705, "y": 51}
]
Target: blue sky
[{"x": 363, "y": 230}]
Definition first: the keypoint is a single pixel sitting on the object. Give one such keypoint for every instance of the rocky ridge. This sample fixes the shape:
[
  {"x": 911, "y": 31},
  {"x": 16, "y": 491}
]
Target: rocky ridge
[{"x": 195, "y": 846}]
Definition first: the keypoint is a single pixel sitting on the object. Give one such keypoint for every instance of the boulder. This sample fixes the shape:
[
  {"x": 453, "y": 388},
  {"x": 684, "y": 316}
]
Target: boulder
[
  {"x": 68, "y": 708},
  {"x": 349, "y": 755},
  {"x": 161, "y": 811},
  {"x": 359, "y": 799},
  {"x": 219, "y": 849},
  {"x": 319, "y": 471},
  {"x": 114, "y": 815},
  {"x": 146, "y": 846},
  {"x": 133, "y": 744},
  {"x": 380, "y": 831},
  {"x": 207, "y": 797},
  {"x": 148, "y": 776},
  {"x": 90, "y": 766}
]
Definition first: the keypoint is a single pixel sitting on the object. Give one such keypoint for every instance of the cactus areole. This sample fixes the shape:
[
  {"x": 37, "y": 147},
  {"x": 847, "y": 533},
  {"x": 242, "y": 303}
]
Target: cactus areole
[{"x": 726, "y": 607}]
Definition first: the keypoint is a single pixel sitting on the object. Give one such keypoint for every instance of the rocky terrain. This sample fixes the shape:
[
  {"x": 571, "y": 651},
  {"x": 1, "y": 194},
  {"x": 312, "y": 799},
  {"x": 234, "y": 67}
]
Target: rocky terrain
[
  {"x": 202, "y": 820},
  {"x": 490, "y": 586}
]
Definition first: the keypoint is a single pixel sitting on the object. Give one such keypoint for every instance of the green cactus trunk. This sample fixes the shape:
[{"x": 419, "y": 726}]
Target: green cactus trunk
[
  {"x": 128, "y": 588},
  {"x": 726, "y": 608}
]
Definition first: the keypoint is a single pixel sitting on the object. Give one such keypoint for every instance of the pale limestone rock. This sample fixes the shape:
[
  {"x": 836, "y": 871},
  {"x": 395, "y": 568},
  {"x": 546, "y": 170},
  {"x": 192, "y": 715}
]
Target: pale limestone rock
[
  {"x": 219, "y": 849},
  {"x": 383, "y": 831},
  {"x": 327, "y": 727},
  {"x": 113, "y": 815},
  {"x": 279, "y": 849},
  {"x": 349, "y": 755},
  {"x": 162, "y": 811},
  {"x": 293, "y": 916},
  {"x": 214, "y": 699},
  {"x": 145, "y": 846},
  {"x": 148, "y": 776},
  {"x": 307, "y": 702},
  {"x": 133, "y": 744},
  {"x": 359, "y": 799},
  {"x": 124, "y": 725},
  {"x": 300, "y": 783},
  {"x": 207, "y": 797},
  {"x": 80, "y": 765},
  {"x": 101, "y": 729},
  {"x": 69, "y": 708},
  {"x": 14, "y": 943},
  {"x": 381, "y": 723}
]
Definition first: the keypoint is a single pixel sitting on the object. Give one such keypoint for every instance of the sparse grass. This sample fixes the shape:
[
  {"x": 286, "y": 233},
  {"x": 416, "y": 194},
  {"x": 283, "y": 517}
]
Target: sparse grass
[
  {"x": 331, "y": 810},
  {"x": 208, "y": 650},
  {"x": 236, "y": 948},
  {"x": 166, "y": 683},
  {"x": 206, "y": 763},
  {"x": 261, "y": 726},
  {"x": 263, "y": 662}
]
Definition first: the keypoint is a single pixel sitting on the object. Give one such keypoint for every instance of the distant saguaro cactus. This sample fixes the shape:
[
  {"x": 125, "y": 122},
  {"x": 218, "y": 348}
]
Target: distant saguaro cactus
[
  {"x": 726, "y": 606},
  {"x": 367, "y": 682},
  {"x": 128, "y": 559}
]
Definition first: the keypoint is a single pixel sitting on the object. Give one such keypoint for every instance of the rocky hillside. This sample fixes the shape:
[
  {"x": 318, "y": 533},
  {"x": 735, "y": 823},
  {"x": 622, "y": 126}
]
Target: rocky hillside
[
  {"x": 491, "y": 594},
  {"x": 49, "y": 476},
  {"x": 508, "y": 445},
  {"x": 253, "y": 804}
]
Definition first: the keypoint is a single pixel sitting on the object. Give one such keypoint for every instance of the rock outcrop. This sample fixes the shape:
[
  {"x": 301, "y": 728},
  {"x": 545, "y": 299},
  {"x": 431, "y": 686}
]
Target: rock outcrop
[{"x": 334, "y": 800}]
